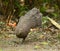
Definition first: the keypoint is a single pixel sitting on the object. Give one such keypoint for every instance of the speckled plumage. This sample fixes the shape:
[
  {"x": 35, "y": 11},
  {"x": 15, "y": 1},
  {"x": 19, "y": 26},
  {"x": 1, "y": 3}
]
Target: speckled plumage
[{"x": 31, "y": 19}]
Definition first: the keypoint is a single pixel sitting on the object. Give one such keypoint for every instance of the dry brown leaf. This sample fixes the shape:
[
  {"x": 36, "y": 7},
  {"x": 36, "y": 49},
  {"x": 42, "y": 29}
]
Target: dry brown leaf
[{"x": 54, "y": 23}]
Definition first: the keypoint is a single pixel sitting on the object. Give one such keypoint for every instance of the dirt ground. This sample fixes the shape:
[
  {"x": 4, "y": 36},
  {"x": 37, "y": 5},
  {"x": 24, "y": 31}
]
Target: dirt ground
[
  {"x": 28, "y": 47},
  {"x": 11, "y": 43}
]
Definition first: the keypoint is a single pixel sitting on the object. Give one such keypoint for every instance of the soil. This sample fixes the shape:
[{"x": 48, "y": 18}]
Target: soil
[{"x": 12, "y": 43}]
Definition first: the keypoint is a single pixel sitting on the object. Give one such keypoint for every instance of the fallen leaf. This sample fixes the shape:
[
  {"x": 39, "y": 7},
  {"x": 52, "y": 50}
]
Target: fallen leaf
[
  {"x": 37, "y": 47},
  {"x": 44, "y": 43},
  {"x": 41, "y": 36},
  {"x": 0, "y": 49},
  {"x": 54, "y": 23}
]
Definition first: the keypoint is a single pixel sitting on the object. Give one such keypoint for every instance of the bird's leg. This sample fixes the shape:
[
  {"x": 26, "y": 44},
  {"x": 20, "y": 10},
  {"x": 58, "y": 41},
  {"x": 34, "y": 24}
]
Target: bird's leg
[{"x": 23, "y": 40}]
